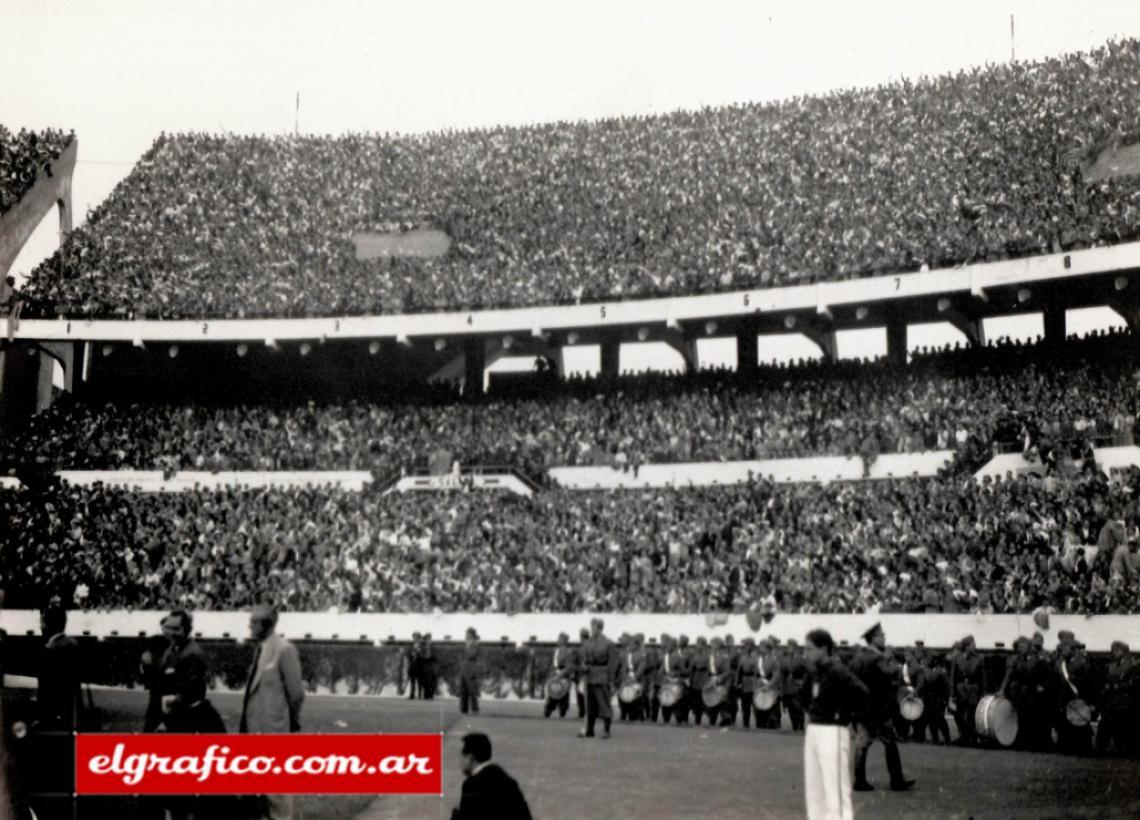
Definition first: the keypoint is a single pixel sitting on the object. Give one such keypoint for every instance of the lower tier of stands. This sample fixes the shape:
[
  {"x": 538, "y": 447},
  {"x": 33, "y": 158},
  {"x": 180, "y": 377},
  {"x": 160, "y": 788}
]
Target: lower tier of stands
[{"x": 949, "y": 544}]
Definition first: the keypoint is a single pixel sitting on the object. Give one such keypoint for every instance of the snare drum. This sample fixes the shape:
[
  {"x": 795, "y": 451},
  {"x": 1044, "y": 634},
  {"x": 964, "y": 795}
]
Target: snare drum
[
  {"x": 713, "y": 694},
  {"x": 911, "y": 706},
  {"x": 764, "y": 698},
  {"x": 996, "y": 719},
  {"x": 630, "y": 692},
  {"x": 1078, "y": 713},
  {"x": 671, "y": 693},
  {"x": 557, "y": 687}
]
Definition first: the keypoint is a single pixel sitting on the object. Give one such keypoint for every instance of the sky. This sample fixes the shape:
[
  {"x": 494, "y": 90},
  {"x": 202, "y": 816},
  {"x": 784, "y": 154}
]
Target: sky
[{"x": 119, "y": 72}]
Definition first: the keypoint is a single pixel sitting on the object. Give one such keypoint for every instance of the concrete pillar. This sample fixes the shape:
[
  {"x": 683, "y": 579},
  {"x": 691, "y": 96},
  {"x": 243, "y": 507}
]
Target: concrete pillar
[
  {"x": 70, "y": 356},
  {"x": 1053, "y": 319},
  {"x": 896, "y": 342},
  {"x": 611, "y": 357},
  {"x": 747, "y": 357},
  {"x": 474, "y": 365}
]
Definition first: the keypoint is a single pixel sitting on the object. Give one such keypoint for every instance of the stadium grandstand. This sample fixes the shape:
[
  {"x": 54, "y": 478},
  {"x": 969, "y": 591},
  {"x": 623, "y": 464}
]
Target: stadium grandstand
[
  {"x": 261, "y": 371},
  {"x": 23, "y": 156},
  {"x": 979, "y": 166}
]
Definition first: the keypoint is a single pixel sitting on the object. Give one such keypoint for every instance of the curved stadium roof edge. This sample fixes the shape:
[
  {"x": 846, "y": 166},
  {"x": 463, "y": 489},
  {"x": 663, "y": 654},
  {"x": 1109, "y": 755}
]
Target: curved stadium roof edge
[{"x": 906, "y": 296}]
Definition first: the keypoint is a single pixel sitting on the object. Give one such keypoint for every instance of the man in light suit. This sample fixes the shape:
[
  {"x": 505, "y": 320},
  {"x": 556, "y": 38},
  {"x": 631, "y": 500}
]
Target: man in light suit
[{"x": 273, "y": 694}]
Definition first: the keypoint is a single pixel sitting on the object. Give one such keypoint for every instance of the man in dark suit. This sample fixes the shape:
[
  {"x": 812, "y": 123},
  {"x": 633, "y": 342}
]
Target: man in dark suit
[
  {"x": 429, "y": 667},
  {"x": 412, "y": 665},
  {"x": 469, "y": 671},
  {"x": 183, "y": 668},
  {"x": 58, "y": 697},
  {"x": 489, "y": 793}
]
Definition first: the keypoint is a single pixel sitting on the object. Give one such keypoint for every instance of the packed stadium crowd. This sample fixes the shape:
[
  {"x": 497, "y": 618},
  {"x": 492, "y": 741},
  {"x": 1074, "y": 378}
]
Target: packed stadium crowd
[
  {"x": 1021, "y": 396},
  {"x": 980, "y": 165},
  {"x": 22, "y": 156},
  {"x": 950, "y": 544}
]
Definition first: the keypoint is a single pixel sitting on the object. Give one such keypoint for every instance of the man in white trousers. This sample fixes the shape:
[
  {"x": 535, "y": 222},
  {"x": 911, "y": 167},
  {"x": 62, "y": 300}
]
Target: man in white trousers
[{"x": 835, "y": 698}]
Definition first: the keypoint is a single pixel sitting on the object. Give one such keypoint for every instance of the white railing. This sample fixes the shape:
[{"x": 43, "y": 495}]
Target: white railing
[
  {"x": 939, "y": 631},
  {"x": 819, "y": 298}
]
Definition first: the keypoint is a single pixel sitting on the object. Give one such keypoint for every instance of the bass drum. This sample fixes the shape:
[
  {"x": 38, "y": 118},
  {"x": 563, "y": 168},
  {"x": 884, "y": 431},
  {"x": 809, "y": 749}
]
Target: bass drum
[
  {"x": 671, "y": 693},
  {"x": 764, "y": 698},
  {"x": 911, "y": 707},
  {"x": 629, "y": 693},
  {"x": 713, "y": 694},
  {"x": 996, "y": 719},
  {"x": 1078, "y": 713},
  {"x": 557, "y": 687}
]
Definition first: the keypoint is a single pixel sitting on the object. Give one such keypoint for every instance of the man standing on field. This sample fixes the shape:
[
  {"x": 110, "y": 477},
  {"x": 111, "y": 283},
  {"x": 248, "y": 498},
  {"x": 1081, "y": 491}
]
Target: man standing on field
[{"x": 835, "y": 698}]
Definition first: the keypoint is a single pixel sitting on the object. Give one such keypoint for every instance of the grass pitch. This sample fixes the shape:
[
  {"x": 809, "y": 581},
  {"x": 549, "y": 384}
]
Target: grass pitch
[{"x": 653, "y": 771}]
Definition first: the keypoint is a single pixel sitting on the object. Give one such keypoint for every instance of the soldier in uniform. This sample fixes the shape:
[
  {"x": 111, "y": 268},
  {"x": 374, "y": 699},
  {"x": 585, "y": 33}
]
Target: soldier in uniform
[
  {"x": 650, "y": 693},
  {"x": 935, "y": 693},
  {"x": 625, "y": 651},
  {"x": 562, "y": 664},
  {"x": 877, "y": 669},
  {"x": 720, "y": 670},
  {"x": 579, "y": 686},
  {"x": 793, "y": 684},
  {"x": 1026, "y": 684},
  {"x": 728, "y": 712},
  {"x": 1120, "y": 702},
  {"x": 1072, "y": 679},
  {"x": 746, "y": 671},
  {"x": 698, "y": 677},
  {"x": 634, "y": 672},
  {"x": 912, "y": 665},
  {"x": 602, "y": 667},
  {"x": 470, "y": 670},
  {"x": 770, "y": 671},
  {"x": 677, "y": 665},
  {"x": 967, "y": 685}
]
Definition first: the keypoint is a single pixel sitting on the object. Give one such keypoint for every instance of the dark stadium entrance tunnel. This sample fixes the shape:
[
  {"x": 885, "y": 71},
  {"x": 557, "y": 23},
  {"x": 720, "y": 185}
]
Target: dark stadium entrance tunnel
[
  {"x": 27, "y": 384},
  {"x": 247, "y": 371}
]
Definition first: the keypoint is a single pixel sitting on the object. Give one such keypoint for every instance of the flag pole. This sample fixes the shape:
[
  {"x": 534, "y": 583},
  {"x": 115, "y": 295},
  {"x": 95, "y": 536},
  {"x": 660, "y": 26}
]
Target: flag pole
[
  {"x": 297, "y": 113},
  {"x": 1012, "y": 52}
]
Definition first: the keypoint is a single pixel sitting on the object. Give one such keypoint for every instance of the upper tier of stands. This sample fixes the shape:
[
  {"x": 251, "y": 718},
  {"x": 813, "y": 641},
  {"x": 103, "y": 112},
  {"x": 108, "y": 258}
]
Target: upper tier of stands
[
  {"x": 1056, "y": 400},
  {"x": 918, "y": 545},
  {"x": 22, "y": 156},
  {"x": 980, "y": 165}
]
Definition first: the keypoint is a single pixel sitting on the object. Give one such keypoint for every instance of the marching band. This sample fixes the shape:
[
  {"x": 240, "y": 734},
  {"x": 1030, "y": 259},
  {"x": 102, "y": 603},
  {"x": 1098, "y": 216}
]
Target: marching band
[{"x": 756, "y": 683}]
